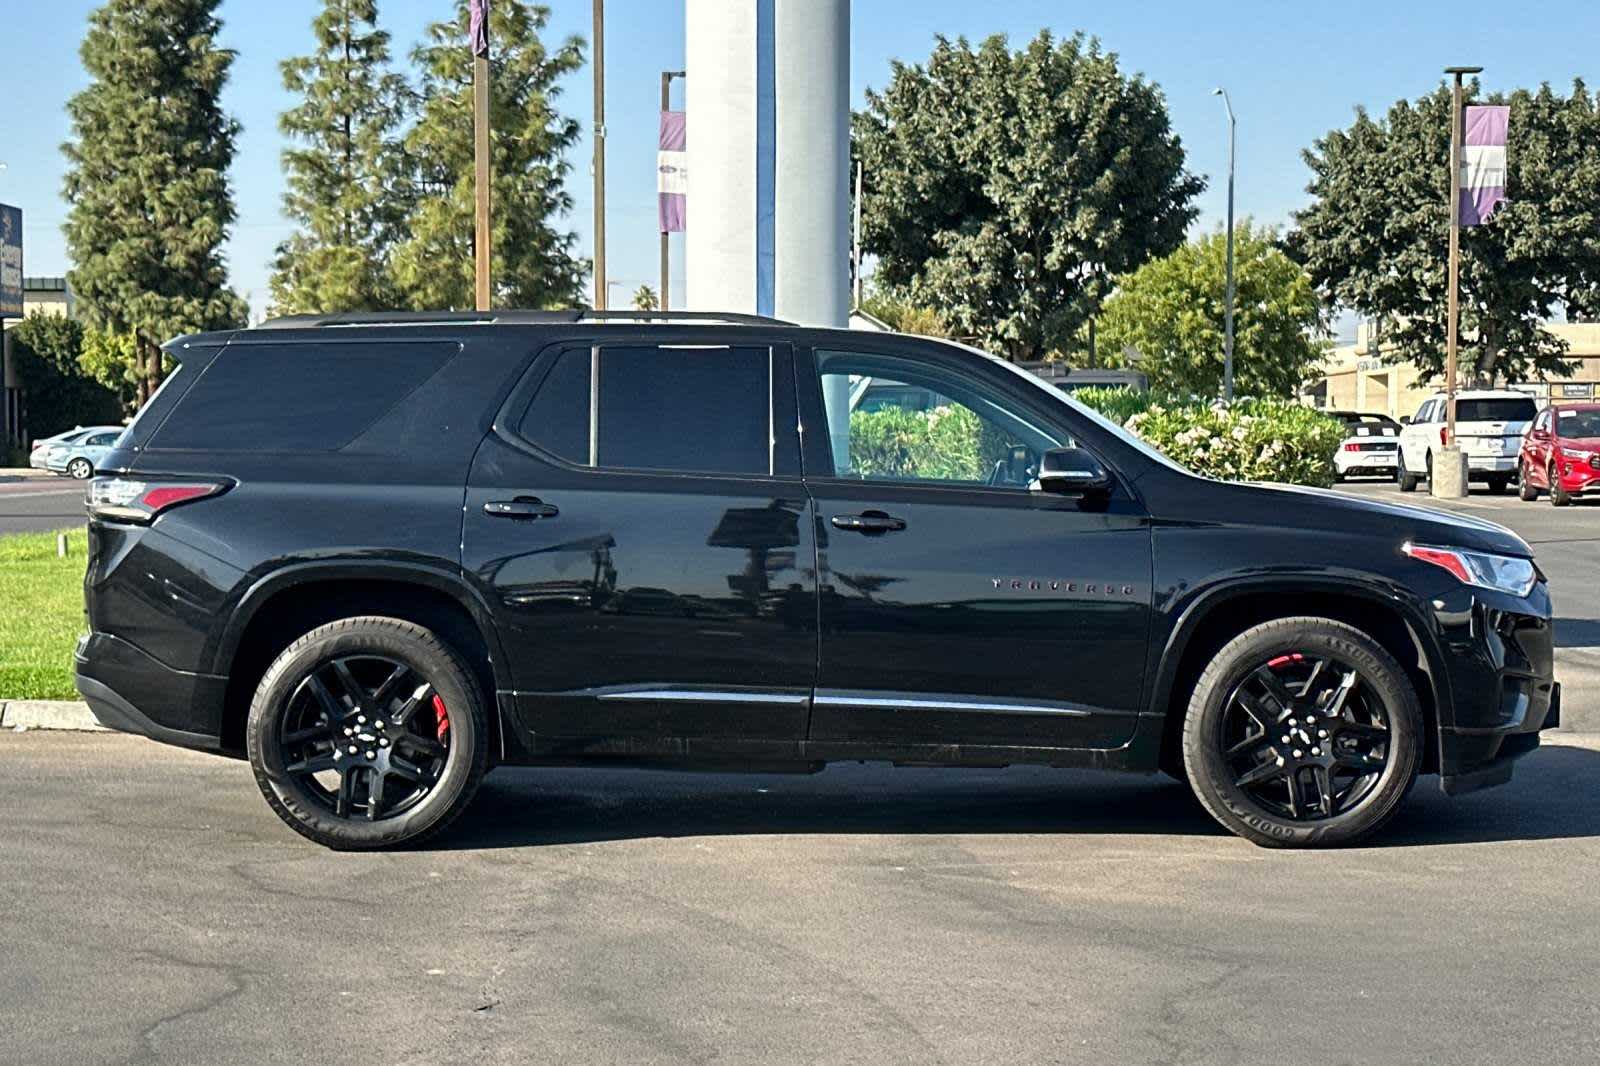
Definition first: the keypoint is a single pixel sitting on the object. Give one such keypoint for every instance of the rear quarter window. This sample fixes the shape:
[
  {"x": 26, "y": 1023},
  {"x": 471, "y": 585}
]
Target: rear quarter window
[{"x": 313, "y": 396}]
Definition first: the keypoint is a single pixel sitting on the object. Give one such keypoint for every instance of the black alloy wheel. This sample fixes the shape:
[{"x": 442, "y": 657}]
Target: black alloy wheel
[
  {"x": 1302, "y": 731},
  {"x": 1304, "y": 736},
  {"x": 365, "y": 736},
  {"x": 368, "y": 732}
]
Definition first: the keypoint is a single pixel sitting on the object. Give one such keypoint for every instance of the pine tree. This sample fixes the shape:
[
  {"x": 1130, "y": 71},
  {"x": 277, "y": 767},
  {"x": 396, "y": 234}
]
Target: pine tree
[
  {"x": 148, "y": 175},
  {"x": 533, "y": 261},
  {"x": 342, "y": 177}
]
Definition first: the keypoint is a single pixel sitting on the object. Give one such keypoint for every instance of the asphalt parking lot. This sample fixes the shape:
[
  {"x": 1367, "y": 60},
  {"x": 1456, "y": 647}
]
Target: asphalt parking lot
[{"x": 153, "y": 909}]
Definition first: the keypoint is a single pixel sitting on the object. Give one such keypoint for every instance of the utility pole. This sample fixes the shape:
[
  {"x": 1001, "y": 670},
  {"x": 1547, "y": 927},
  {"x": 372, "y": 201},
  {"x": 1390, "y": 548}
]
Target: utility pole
[
  {"x": 666, "y": 261},
  {"x": 1227, "y": 330},
  {"x": 483, "y": 233},
  {"x": 855, "y": 252},
  {"x": 1451, "y": 463},
  {"x": 599, "y": 155}
]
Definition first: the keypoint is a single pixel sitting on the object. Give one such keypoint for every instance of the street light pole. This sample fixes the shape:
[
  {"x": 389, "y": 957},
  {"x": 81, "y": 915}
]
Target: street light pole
[
  {"x": 600, "y": 288},
  {"x": 1227, "y": 332},
  {"x": 1450, "y": 468},
  {"x": 666, "y": 262}
]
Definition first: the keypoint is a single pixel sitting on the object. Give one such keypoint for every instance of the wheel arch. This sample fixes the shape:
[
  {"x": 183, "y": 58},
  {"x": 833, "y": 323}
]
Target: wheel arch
[
  {"x": 285, "y": 605},
  {"x": 1222, "y": 613}
]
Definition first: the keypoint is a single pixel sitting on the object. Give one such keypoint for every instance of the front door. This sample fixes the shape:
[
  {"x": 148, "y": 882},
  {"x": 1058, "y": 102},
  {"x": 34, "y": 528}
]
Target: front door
[
  {"x": 959, "y": 605},
  {"x": 637, "y": 521}
]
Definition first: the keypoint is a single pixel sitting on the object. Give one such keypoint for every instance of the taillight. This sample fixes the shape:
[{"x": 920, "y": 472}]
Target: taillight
[
  {"x": 126, "y": 499},
  {"x": 1352, "y": 447},
  {"x": 1442, "y": 441}
]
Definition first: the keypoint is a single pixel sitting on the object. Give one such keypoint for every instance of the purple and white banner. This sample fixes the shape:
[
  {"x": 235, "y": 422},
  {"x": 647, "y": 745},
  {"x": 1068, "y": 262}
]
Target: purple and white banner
[
  {"x": 478, "y": 27},
  {"x": 672, "y": 176},
  {"x": 1483, "y": 163}
]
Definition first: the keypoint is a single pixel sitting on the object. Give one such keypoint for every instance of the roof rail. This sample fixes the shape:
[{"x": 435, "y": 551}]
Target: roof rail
[{"x": 509, "y": 317}]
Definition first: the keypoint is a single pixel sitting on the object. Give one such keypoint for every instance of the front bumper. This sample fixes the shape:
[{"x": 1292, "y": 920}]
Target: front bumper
[
  {"x": 129, "y": 690},
  {"x": 1501, "y": 667}
]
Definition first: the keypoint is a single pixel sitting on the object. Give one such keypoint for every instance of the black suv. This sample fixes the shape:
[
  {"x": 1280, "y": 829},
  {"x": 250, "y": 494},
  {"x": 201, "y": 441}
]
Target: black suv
[{"x": 377, "y": 555}]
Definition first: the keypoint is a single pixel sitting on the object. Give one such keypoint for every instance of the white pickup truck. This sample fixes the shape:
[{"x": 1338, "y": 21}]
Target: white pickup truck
[{"x": 1489, "y": 428}]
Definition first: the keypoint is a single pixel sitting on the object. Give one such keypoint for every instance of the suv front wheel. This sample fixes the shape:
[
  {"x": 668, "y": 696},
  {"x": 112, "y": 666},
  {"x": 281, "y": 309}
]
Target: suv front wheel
[
  {"x": 1302, "y": 732},
  {"x": 367, "y": 733}
]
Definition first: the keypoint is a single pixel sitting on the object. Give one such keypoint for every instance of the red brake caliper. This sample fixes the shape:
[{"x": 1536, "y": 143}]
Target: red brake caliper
[
  {"x": 441, "y": 718},
  {"x": 1282, "y": 660}
]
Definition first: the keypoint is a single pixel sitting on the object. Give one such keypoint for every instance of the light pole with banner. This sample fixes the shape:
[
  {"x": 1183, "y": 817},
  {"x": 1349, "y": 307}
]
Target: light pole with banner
[
  {"x": 671, "y": 186},
  {"x": 1227, "y": 313}
]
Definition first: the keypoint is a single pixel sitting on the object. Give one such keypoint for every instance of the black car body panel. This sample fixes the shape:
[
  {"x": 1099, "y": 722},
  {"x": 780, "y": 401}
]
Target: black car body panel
[{"x": 738, "y": 617}]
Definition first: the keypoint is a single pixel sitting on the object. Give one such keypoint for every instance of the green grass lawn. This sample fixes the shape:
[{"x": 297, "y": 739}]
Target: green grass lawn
[{"x": 41, "y": 615}]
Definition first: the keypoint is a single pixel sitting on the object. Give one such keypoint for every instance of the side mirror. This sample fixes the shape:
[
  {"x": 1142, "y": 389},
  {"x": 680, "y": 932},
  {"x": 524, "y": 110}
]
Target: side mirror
[
  {"x": 1072, "y": 472},
  {"x": 1405, "y": 420}
]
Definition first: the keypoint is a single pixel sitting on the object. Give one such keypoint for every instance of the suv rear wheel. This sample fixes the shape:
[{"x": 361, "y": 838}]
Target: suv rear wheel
[
  {"x": 366, "y": 733},
  {"x": 1302, "y": 732}
]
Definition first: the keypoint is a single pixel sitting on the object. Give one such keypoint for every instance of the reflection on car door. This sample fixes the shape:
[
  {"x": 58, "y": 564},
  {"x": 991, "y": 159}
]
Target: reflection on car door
[
  {"x": 958, "y": 606},
  {"x": 639, "y": 527}
]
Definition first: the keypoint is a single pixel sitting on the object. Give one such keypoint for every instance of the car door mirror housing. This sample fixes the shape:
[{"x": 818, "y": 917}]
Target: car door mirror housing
[
  {"x": 1405, "y": 420},
  {"x": 1072, "y": 472}
]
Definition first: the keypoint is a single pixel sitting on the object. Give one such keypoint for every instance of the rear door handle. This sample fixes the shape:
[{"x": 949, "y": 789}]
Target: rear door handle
[
  {"x": 868, "y": 522},
  {"x": 521, "y": 507}
]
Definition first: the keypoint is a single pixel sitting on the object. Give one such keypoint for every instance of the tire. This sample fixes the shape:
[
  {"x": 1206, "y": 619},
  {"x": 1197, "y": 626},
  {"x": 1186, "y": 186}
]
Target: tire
[
  {"x": 388, "y": 759},
  {"x": 1380, "y": 711},
  {"x": 1406, "y": 481},
  {"x": 1559, "y": 497},
  {"x": 1499, "y": 484},
  {"x": 1427, "y": 472},
  {"x": 1527, "y": 491},
  {"x": 80, "y": 469}
]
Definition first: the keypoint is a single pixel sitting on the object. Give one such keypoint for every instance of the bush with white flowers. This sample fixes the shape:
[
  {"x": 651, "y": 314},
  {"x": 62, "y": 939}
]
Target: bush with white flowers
[{"x": 1257, "y": 440}]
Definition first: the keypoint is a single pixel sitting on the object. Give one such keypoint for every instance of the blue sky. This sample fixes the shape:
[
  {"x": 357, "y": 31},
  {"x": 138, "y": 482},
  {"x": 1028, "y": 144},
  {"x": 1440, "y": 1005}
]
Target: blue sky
[{"x": 1294, "y": 71}]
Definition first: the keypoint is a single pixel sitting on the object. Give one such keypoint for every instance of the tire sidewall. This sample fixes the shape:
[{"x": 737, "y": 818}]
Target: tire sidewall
[
  {"x": 464, "y": 764},
  {"x": 1208, "y": 771},
  {"x": 80, "y": 470}
]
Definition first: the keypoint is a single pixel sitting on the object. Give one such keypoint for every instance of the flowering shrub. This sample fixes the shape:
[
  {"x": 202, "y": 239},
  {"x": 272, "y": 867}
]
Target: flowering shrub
[
  {"x": 946, "y": 442},
  {"x": 1257, "y": 440}
]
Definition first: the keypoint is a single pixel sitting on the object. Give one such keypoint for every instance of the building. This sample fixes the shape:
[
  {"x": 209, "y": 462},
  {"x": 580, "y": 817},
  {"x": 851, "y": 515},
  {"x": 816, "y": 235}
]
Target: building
[
  {"x": 1358, "y": 379},
  {"x": 40, "y": 296}
]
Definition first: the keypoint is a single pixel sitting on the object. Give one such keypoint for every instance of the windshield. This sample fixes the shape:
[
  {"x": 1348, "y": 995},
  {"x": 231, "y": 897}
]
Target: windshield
[
  {"x": 1507, "y": 410},
  {"x": 1578, "y": 424}
]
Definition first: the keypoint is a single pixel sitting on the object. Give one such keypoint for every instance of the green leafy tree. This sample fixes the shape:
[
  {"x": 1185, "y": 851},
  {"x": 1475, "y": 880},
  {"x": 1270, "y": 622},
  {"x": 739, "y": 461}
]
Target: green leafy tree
[
  {"x": 343, "y": 172},
  {"x": 111, "y": 359},
  {"x": 147, "y": 178},
  {"x": 533, "y": 260},
  {"x": 57, "y": 393},
  {"x": 1171, "y": 313},
  {"x": 1376, "y": 239},
  {"x": 644, "y": 299},
  {"x": 1004, "y": 189}
]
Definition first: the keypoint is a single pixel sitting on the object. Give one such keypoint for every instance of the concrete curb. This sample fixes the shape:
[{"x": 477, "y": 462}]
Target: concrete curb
[{"x": 23, "y": 715}]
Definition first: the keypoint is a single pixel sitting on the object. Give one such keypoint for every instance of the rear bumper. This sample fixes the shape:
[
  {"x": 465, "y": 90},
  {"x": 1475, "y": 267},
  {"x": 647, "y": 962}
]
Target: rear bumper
[
  {"x": 1479, "y": 466},
  {"x": 129, "y": 690}
]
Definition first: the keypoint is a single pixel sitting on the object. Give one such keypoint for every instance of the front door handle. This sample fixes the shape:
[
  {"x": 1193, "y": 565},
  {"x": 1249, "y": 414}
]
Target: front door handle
[
  {"x": 868, "y": 522},
  {"x": 521, "y": 507}
]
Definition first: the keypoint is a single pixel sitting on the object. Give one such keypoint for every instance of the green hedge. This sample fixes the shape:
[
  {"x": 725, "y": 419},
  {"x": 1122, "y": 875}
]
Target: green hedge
[
  {"x": 1254, "y": 440},
  {"x": 895, "y": 443}
]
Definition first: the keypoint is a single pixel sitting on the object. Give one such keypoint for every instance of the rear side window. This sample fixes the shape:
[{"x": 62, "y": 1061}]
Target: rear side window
[
  {"x": 298, "y": 397},
  {"x": 688, "y": 409},
  {"x": 1507, "y": 410}
]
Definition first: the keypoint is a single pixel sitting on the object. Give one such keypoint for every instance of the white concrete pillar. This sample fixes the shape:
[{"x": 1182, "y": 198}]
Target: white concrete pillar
[{"x": 768, "y": 103}]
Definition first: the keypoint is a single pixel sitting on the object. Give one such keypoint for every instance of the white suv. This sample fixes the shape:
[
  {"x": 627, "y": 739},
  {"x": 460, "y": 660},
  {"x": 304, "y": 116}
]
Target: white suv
[{"x": 1489, "y": 428}]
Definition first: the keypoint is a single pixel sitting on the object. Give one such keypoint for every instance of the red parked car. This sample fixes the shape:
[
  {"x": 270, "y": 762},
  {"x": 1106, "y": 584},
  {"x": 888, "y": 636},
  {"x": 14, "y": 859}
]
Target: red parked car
[{"x": 1561, "y": 453}]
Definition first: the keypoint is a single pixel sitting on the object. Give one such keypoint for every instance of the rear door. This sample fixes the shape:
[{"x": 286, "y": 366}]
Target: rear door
[
  {"x": 1414, "y": 436},
  {"x": 637, "y": 522}
]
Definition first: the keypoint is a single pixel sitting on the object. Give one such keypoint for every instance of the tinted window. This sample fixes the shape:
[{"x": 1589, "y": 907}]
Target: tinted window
[
  {"x": 1507, "y": 410},
  {"x": 100, "y": 440},
  {"x": 897, "y": 420},
  {"x": 701, "y": 410},
  {"x": 297, "y": 397}
]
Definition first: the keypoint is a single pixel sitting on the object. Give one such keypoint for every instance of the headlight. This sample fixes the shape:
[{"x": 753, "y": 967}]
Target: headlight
[
  {"x": 1574, "y": 453},
  {"x": 1503, "y": 573}
]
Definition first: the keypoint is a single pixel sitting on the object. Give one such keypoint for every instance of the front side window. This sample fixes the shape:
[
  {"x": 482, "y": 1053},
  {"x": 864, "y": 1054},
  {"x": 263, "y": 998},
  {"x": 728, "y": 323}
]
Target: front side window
[
  {"x": 682, "y": 409},
  {"x": 893, "y": 419}
]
